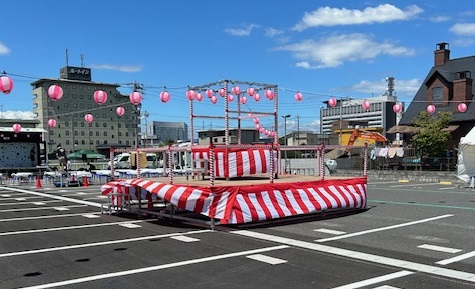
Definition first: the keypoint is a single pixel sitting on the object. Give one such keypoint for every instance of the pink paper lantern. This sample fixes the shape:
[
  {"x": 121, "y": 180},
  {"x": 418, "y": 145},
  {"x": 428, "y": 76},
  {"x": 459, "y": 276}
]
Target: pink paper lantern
[
  {"x": 51, "y": 122},
  {"x": 430, "y": 109},
  {"x": 164, "y": 96},
  {"x": 236, "y": 90},
  {"x": 120, "y": 111},
  {"x": 6, "y": 84},
  {"x": 230, "y": 97},
  {"x": 462, "y": 107},
  {"x": 366, "y": 104},
  {"x": 55, "y": 92},
  {"x": 209, "y": 93},
  {"x": 258, "y": 126},
  {"x": 16, "y": 127},
  {"x": 222, "y": 91},
  {"x": 199, "y": 96},
  {"x": 298, "y": 96},
  {"x": 269, "y": 94},
  {"x": 332, "y": 102},
  {"x": 100, "y": 96},
  {"x": 190, "y": 94},
  {"x": 214, "y": 99},
  {"x": 89, "y": 118},
  {"x": 243, "y": 100},
  {"x": 257, "y": 97},
  {"x": 262, "y": 130},
  {"x": 256, "y": 120},
  {"x": 397, "y": 108},
  {"x": 251, "y": 91},
  {"x": 135, "y": 97}
]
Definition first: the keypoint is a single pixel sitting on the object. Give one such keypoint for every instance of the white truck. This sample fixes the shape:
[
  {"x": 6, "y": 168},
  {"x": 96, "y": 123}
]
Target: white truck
[{"x": 128, "y": 160}]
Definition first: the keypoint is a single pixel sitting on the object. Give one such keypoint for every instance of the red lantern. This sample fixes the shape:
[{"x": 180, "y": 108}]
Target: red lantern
[
  {"x": 366, "y": 104},
  {"x": 209, "y": 93},
  {"x": 16, "y": 127},
  {"x": 462, "y": 107},
  {"x": 332, "y": 102},
  {"x": 52, "y": 122},
  {"x": 236, "y": 90},
  {"x": 397, "y": 108},
  {"x": 230, "y": 97},
  {"x": 6, "y": 84},
  {"x": 430, "y": 109},
  {"x": 55, "y": 92},
  {"x": 199, "y": 96},
  {"x": 251, "y": 91},
  {"x": 243, "y": 100},
  {"x": 222, "y": 92},
  {"x": 269, "y": 94},
  {"x": 298, "y": 96},
  {"x": 257, "y": 97},
  {"x": 164, "y": 96},
  {"x": 135, "y": 97},
  {"x": 89, "y": 118},
  {"x": 100, "y": 96},
  {"x": 120, "y": 111},
  {"x": 190, "y": 94},
  {"x": 214, "y": 99}
]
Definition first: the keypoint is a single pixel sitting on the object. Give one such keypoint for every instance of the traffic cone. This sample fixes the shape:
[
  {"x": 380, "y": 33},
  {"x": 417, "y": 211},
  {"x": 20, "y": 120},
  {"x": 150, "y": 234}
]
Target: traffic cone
[
  {"x": 38, "y": 183},
  {"x": 86, "y": 182}
]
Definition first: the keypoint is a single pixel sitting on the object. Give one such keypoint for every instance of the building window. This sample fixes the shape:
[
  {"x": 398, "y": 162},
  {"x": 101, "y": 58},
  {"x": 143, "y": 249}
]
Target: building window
[
  {"x": 105, "y": 133},
  {"x": 83, "y": 133},
  {"x": 97, "y": 133},
  {"x": 437, "y": 94},
  {"x": 83, "y": 142},
  {"x": 66, "y": 132}
]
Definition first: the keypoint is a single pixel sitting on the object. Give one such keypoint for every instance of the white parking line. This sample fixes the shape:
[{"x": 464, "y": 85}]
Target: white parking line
[
  {"x": 185, "y": 239},
  {"x": 96, "y": 244},
  {"x": 266, "y": 259},
  {"x": 375, "y": 280},
  {"x": 382, "y": 229},
  {"x": 328, "y": 231},
  {"x": 42, "y": 208},
  {"x": 386, "y": 261},
  {"x": 130, "y": 226},
  {"x": 412, "y": 185},
  {"x": 386, "y": 287},
  {"x": 439, "y": 248},
  {"x": 44, "y": 217},
  {"x": 71, "y": 227},
  {"x": 456, "y": 259},
  {"x": 155, "y": 268}
]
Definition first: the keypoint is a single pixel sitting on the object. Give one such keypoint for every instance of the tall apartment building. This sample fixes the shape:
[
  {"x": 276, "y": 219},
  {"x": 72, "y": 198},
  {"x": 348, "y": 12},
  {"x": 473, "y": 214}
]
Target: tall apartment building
[
  {"x": 161, "y": 132},
  {"x": 72, "y": 131}
]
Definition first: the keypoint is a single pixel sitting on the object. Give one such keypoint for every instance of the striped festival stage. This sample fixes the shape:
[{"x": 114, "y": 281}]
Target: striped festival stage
[{"x": 246, "y": 203}]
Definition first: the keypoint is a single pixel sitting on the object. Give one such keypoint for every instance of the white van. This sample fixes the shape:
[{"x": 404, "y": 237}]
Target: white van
[{"x": 127, "y": 160}]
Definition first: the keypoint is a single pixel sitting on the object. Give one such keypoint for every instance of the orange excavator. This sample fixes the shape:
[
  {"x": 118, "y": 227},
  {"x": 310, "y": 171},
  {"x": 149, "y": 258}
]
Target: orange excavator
[{"x": 357, "y": 137}]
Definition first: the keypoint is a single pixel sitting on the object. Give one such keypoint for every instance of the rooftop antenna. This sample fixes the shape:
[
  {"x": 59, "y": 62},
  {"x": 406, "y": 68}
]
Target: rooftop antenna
[
  {"x": 82, "y": 60},
  {"x": 67, "y": 58}
]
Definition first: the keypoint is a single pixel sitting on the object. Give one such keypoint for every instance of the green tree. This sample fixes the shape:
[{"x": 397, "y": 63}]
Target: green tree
[{"x": 429, "y": 135}]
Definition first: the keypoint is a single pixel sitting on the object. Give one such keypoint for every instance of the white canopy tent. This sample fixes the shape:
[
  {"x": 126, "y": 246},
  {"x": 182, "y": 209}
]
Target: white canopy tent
[{"x": 466, "y": 157}]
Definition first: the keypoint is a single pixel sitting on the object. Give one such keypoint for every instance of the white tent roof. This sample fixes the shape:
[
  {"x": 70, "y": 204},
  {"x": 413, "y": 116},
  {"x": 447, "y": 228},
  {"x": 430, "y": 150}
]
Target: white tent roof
[{"x": 469, "y": 139}]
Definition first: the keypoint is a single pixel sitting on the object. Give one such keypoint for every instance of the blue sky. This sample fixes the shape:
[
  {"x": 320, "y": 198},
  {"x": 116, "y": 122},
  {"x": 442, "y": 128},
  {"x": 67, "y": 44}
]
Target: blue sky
[{"x": 320, "y": 48}]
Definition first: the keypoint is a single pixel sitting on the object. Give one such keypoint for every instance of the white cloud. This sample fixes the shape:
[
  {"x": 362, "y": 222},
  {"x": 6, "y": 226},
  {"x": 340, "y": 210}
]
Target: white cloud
[
  {"x": 327, "y": 16},
  {"x": 401, "y": 86},
  {"x": 438, "y": 19},
  {"x": 272, "y": 32},
  {"x": 463, "y": 29},
  {"x": 121, "y": 68},
  {"x": 4, "y": 49},
  {"x": 334, "y": 50},
  {"x": 10, "y": 114},
  {"x": 244, "y": 31}
]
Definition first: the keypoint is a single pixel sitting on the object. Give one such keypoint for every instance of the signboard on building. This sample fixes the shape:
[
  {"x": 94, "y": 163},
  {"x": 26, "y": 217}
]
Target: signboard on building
[{"x": 75, "y": 73}]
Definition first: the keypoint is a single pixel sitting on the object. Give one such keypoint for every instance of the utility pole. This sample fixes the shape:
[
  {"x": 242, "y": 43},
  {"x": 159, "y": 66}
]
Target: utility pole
[
  {"x": 285, "y": 140},
  {"x": 137, "y": 87},
  {"x": 146, "y": 127}
]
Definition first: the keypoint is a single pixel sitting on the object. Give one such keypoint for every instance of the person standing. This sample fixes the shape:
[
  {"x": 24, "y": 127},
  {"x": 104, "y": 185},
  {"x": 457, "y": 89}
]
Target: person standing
[{"x": 61, "y": 156}]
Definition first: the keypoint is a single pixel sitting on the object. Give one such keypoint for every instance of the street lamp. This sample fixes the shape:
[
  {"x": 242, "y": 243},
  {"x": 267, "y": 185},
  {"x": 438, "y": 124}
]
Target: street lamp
[{"x": 285, "y": 139}]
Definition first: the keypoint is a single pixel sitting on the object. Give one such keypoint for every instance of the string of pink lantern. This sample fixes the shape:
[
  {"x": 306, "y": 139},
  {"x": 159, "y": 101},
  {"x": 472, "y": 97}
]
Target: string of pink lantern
[{"x": 6, "y": 84}]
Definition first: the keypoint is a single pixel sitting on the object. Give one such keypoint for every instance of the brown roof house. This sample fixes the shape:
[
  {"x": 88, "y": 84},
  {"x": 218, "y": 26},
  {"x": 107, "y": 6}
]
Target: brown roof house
[{"x": 448, "y": 83}]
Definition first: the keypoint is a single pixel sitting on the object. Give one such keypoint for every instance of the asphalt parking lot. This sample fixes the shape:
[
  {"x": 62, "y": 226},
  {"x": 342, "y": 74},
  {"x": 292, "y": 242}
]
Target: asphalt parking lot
[{"x": 413, "y": 235}]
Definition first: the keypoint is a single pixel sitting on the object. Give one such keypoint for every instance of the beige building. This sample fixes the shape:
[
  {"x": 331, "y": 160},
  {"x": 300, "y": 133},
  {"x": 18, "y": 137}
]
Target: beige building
[{"x": 72, "y": 131}]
